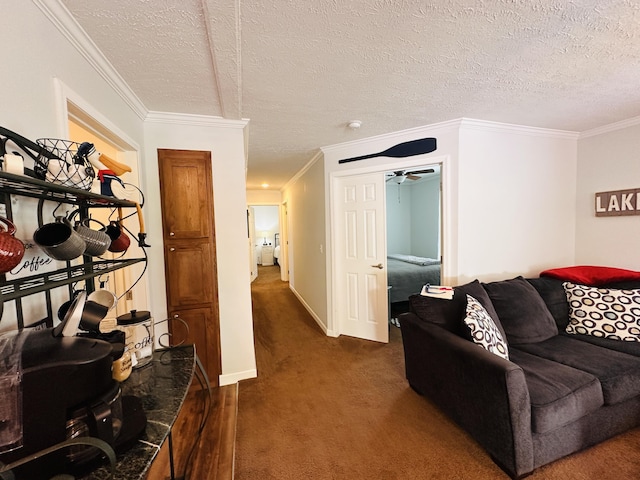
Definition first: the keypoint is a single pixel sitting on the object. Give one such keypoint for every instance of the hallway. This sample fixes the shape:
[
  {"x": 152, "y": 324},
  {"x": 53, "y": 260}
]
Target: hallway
[{"x": 334, "y": 408}]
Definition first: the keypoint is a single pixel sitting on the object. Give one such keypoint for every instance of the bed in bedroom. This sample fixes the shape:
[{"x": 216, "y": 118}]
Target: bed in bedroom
[
  {"x": 276, "y": 251},
  {"x": 406, "y": 274}
]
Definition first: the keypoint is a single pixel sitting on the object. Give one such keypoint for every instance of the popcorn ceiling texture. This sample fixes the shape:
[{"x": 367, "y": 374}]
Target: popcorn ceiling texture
[{"x": 301, "y": 70}]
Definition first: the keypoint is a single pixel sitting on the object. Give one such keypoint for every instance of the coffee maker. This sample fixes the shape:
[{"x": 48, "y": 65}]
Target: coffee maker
[{"x": 55, "y": 387}]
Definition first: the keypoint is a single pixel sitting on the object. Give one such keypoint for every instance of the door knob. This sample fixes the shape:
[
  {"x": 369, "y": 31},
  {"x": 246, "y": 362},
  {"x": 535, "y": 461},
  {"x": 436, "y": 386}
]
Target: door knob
[
  {"x": 378, "y": 266},
  {"x": 171, "y": 234},
  {"x": 172, "y": 249}
]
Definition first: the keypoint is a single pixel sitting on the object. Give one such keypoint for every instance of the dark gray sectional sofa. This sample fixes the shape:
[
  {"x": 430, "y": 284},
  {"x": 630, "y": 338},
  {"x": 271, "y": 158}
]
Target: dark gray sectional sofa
[{"x": 556, "y": 394}]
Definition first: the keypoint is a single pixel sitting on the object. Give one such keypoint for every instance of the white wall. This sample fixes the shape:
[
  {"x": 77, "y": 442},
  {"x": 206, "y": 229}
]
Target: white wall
[
  {"x": 35, "y": 53},
  {"x": 516, "y": 191},
  {"x": 509, "y": 195},
  {"x": 267, "y": 223},
  {"x": 264, "y": 197},
  {"x": 225, "y": 140},
  {"x": 607, "y": 161},
  {"x": 304, "y": 196},
  {"x": 413, "y": 218},
  {"x": 425, "y": 218},
  {"x": 398, "y": 218}
]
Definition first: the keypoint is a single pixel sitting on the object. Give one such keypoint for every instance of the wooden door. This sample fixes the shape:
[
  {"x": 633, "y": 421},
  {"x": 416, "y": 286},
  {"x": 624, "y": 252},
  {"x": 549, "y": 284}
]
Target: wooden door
[{"x": 186, "y": 189}]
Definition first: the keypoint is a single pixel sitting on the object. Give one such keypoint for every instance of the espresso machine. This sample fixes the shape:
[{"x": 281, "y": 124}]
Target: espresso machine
[{"x": 55, "y": 387}]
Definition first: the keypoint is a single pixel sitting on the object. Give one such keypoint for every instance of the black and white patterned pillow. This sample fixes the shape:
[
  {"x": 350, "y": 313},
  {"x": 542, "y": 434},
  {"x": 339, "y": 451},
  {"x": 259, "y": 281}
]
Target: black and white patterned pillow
[
  {"x": 603, "y": 312},
  {"x": 483, "y": 329}
]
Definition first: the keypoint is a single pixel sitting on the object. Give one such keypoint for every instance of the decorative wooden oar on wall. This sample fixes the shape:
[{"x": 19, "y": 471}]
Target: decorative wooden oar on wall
[{"x": 404, "y": 149}]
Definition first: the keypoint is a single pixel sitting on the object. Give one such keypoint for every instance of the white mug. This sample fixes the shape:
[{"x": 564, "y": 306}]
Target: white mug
[
  {"x": 103, "y": 297},
  {"x": 13, "y": 164}
]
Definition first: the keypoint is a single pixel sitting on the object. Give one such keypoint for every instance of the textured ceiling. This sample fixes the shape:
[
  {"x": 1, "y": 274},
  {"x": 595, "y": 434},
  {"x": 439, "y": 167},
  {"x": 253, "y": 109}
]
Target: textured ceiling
[{"x": 300, "y": 70}]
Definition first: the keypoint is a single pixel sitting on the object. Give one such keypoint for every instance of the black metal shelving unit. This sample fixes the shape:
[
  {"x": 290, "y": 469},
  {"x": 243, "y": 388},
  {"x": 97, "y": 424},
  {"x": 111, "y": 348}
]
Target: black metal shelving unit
[{"x": 86, "y": 270}]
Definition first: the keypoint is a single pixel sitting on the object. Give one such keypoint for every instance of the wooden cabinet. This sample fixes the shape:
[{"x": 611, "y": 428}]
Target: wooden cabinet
[
  {"x": 201, "y": 332},
  {"x": 186, "y": 188},
  {"x": 189, "y": 268},
  {"x": 187, "y": 196}
]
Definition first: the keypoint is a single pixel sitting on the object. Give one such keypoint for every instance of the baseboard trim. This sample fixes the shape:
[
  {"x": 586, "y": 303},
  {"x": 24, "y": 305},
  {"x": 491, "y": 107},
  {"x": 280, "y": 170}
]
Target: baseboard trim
[
  {"x": 311, "y": 312},
  {"x": 232, "y": 378}
]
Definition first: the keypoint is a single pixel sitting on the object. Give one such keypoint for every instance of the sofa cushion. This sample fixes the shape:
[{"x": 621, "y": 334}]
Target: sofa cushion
[
  {"x": 559, "y": 394},
  {"x": 523, "y": 314},
  {"x": 449, "y": 313},
  {"x": 554, "y": 296},
  {"x": 619, "y": 373},
  {"x": 632, "y": 348},
  {"x": 603, "y": 312},
  {"x": 483, "y": 329}
]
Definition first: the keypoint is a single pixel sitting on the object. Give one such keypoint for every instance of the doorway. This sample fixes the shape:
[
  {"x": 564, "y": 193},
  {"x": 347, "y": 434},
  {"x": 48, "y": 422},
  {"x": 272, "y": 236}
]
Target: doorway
[
  {"x": 265, "y": 237},
  {"x": 339, "y": 297},
  {"x": 414, "y": 233},
  {"x": 84, "y": 124}
]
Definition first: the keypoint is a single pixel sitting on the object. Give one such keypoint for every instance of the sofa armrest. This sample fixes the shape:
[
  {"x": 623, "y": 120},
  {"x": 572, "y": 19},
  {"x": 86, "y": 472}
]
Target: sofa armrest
[{"x": 484, "y": 394}]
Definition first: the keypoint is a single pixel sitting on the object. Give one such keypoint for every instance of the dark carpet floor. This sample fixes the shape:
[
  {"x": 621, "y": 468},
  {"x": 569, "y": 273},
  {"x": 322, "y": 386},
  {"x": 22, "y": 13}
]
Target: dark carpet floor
[{"x": 341, "y": 408}]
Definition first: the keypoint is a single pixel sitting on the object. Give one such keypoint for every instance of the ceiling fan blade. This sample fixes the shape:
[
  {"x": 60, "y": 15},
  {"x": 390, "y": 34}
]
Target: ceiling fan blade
[
  {"x": 405, "y": 149},
  {"x": 418, "y": 172},
  {"x": 411, "y": 176}
]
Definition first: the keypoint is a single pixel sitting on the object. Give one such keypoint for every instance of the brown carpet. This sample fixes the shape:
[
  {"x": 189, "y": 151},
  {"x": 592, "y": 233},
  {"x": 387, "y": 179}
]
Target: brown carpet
[{"x": 341, "y": 408}]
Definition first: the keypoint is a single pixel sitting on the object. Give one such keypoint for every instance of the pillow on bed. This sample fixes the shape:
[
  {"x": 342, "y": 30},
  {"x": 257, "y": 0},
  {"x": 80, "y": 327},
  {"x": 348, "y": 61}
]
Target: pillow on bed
[{"x": 422, "y": 261}]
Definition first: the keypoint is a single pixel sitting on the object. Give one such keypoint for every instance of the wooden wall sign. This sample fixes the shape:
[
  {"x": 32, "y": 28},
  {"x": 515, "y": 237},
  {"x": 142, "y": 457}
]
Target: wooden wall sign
[{"x": 618, "y": 203}]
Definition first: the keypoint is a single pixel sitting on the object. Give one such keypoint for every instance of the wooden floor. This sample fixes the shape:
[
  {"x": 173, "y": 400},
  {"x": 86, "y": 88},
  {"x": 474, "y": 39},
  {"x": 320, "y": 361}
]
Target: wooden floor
[{"x": 213, "y": 456}]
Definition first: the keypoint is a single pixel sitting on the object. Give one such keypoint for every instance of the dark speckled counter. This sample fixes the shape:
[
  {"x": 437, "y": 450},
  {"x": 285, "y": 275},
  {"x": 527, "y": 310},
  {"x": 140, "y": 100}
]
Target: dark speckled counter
[{"x": 162, "y": 386}]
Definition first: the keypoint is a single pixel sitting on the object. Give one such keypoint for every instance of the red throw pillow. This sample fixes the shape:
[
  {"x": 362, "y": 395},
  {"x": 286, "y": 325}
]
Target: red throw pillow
[{"x": 591, "y": 275}]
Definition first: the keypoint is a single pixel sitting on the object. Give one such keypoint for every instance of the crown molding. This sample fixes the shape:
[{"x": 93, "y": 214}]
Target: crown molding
[
  {"x": 400, "y": 135},
  {"x": 195, "y": 120},
  {"x": 486, "y": 125},
  {"x": 62, "y": 19},
  {"x": 612, "y": 127},
  {"x": 292, "y": 181}
]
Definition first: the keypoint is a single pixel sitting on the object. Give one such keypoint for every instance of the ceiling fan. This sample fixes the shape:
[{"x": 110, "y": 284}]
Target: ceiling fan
[{"x": 399, "y": 176}]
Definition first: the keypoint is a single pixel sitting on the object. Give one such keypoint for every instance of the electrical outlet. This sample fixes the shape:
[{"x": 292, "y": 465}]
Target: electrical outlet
[{"x": 129, "y": 295}]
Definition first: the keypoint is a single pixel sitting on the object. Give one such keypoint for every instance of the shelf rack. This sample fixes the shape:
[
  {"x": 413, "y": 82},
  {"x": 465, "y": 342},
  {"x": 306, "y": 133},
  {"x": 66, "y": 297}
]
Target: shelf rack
[
  {"x": 24, "y": 286},
  {"x": 35, "y": 188},
  {"x": 86, "y": 268}
]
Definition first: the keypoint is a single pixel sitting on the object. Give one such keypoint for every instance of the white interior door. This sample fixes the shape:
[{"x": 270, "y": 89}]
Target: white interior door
[{"x": 362, "y": 306}]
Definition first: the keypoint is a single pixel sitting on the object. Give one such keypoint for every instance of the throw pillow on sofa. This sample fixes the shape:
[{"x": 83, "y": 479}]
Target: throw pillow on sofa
[
  {"x": 484, "y": 331},
  {"x": 603, "y": 312},
  {"x": 450, "y": 313},
  {"x": 521, "y": 310}
]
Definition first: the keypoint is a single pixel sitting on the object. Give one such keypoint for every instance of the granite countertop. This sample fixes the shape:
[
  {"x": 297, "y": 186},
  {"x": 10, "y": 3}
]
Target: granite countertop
[{"x": 162, "y": 386}]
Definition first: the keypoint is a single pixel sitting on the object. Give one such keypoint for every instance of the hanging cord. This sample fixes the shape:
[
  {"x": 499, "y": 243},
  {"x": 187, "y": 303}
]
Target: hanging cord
[{"x": 144, "y": 269}]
